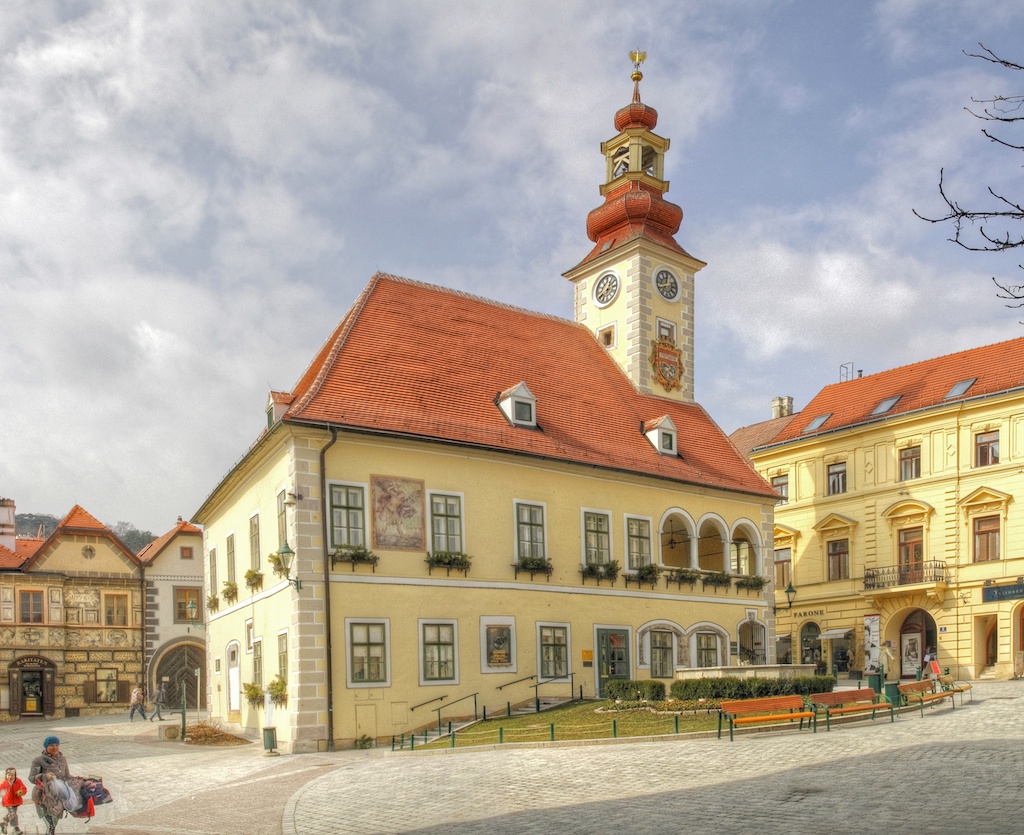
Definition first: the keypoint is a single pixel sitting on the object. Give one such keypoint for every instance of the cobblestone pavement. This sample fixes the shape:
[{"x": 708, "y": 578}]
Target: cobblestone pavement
[{"x": 953, "y": 771}]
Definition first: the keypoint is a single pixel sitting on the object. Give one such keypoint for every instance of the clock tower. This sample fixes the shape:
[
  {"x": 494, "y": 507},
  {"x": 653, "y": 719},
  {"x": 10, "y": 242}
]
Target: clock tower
[{"x": 634, "y": 290}]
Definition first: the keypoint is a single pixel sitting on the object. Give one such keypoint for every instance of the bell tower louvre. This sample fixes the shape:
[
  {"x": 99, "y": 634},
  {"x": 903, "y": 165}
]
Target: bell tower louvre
[{"x": 634, "y": 289}]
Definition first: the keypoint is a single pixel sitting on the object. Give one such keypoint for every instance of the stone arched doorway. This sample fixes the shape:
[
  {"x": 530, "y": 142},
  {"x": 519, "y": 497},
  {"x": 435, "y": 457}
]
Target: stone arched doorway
[
  {"x": 177, "y": 667},
  {"x": 918, "y": 636},
  {"x": 810, "y": 646},
  {"x": 751, "y": 643}
]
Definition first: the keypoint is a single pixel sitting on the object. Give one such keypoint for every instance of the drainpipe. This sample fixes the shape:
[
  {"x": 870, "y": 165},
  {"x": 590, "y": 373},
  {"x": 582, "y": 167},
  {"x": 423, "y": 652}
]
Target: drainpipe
[{"x": 327, "y": 588}]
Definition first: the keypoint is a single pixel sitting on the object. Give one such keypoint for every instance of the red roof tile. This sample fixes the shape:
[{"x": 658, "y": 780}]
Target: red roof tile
[
  {"x": 750, "y": 437},
  {"x": 24, "y": 548},
  {"x": 80, "y": 519},
  {"x": 153, "y": 549},
  {"x": 428, "y": 362},
  {"x": 997, "y": 368}
]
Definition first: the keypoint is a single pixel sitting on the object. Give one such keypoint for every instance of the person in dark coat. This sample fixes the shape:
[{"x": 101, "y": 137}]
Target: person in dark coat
[
  {"x": 159, "y": 701},
  {"x": 49, "y": 764}
]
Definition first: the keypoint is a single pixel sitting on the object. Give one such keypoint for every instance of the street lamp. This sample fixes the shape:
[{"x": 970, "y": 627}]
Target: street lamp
[
  {"x": 286, "y": 555},
  {"x": 790, "y": 597},
  {"x": 191, "y": 609}
]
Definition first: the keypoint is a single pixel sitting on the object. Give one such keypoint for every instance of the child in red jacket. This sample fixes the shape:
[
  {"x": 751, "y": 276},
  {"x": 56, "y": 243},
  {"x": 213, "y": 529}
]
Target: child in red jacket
[{"x": 13, "y": 790}]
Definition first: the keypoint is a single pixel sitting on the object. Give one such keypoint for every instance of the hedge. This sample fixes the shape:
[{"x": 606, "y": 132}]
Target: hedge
[
  {"x": 628, "y": 690},
  {"x": 750, "y": 688}
]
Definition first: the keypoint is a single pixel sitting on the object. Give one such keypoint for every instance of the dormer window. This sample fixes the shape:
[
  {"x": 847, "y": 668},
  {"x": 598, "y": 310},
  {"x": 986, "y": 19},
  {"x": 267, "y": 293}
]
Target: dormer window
[
  {"x": 277, "y": 404},
  {"x": 662, "y": 435},
  {"x": 519, "y": 406}
]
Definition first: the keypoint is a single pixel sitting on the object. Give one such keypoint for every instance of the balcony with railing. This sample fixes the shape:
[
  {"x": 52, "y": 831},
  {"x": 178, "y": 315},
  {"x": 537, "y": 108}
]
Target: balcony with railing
[{"x": 894, "y": 579}]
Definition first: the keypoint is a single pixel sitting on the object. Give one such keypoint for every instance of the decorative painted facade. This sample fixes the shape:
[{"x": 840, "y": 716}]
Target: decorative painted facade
[
  {"x": 462, "y": 505},
  {"x": 900, "y": 520},
  {"x": 71, "y": 616}
]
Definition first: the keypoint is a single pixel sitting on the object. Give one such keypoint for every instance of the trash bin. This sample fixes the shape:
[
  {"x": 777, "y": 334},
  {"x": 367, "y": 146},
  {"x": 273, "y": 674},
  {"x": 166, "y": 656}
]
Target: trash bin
[
  {"x": 269, "y": 739},
  {"x": 892, "y": 693},
  {"x": 917, "y": 673},
  {"x": 875, "y": 682}
]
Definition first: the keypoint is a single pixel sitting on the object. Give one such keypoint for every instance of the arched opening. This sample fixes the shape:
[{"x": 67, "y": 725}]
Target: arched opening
[
  {"x": 31, "y": 680},
  {"x": 711, "y": 547},
  {"x": 177, "y": 669},
  {"x": 751, "y": 643},
  {"x": 744, "y": 551},
  {"x": 676, "y": 542},
  {"x": 810, "y": 646},
  {"x": 918, "y": 636}
]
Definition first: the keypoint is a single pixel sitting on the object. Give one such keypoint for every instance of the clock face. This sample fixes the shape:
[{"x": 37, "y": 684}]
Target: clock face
[
  {"x": 606, "y": 288},
  {"x": 667, "y": 285}
]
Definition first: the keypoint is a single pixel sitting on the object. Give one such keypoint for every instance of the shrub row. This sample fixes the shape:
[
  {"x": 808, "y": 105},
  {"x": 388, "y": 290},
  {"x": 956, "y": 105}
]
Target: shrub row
[
  {"x": 748, "y": 688},
  {"x": 649, "y": 690}
]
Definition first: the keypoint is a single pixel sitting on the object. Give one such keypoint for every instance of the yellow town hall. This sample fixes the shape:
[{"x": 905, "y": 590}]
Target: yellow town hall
[{"x": 461, "y": 504}]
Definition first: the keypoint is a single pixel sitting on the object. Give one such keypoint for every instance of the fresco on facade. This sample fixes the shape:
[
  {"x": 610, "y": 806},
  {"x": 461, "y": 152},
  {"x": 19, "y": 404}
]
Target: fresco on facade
[{"x": 398, "y": 513}]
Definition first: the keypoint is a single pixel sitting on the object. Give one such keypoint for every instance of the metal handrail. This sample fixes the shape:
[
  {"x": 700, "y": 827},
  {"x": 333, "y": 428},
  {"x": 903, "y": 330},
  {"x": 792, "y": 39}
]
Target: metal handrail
[
  {"x": 431, "y": 701},
  {"x": 438, "y": 710},
  {"x": 517, "y": 681},
  {"x": 536, "y": 691},
  {"x": 928, "y": 571}
]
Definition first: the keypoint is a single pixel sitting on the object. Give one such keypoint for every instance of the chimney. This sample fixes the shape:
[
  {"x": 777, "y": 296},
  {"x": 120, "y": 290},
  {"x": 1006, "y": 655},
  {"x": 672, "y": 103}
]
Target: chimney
[
  {"x": 7, "y": 527},
  {"x": 782, "y": 407}
]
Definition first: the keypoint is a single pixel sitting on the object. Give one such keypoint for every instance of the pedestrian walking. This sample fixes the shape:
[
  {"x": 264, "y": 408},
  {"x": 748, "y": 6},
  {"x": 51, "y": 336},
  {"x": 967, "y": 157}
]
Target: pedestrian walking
[
  {"x": 46, "y": 768},
  {"x": 13, "y": 791},
  {"x": 159, "y": 701},
  {"x": 138, "y": 703}
]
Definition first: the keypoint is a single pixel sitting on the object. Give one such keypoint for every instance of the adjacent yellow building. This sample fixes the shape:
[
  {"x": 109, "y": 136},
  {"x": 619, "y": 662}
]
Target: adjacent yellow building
[
  {"x": 899, "y": 529},
  {"x": 463, "y": 505}
]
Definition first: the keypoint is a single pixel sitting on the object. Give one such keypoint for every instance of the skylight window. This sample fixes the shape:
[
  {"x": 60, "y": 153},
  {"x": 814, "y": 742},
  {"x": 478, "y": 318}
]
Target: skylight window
[
  {"x": 816, "y": 423},
  {"x": 960, "y": 388},
  {"x": 886, "y": 405}
]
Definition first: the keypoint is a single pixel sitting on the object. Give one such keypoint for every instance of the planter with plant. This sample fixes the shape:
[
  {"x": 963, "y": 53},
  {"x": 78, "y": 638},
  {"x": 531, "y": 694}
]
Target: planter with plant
[
  {"x": 601, "y": 571},
  {"x": 751, "y": 582},
  {"x": 278, "y": 691},
  {"x": 448, "y": 560},
  {"x": 253, "y": 694},
  {"x": 690, "y": 576},
  {"x": 212, "y": 603},
  {"x": 230, "y": 592},
  {"x": 253, "y": 579},
  {"x": 717, "y": 580},
  {"x": 645, "y": 574},
  {"x": 354, "y": 555},
  {"x": 534, "y": 565}
]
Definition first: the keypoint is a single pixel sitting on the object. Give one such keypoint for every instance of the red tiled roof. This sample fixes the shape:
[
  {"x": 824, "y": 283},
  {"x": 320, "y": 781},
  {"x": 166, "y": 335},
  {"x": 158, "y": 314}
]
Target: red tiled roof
[
  {"x": 998, "y": 368},
  {"x": 750, "y": 437},
  {"x": 80, "y": 519},
  {"x": 424, "y": 361},
  {"x": 26, "y": 546},
  {"x": 153, "y": 549},
  {"x": 9, "y": 559}
]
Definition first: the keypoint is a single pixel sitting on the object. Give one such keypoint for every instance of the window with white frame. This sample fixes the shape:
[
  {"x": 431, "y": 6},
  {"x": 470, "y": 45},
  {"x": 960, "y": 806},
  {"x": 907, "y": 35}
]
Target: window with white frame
[
  {"x": 837, "y": 478},
  {"x": 638, "y": 542},
  {"x": 554, "y": 651},
  {"x": 446, "y": 522},
  {"x": 781, "y": 485},
  {"x": 910, "y": 463},
  {"x": 437, "y": 641},
  {"x": 661, "y": 655},
  {"x": 519, "y": 406},
  {"x": 666, "y": 331},
  {"x": 229, "y": 549},
  {"x": 348, "y": 515},
  {"x": 282, "y": 524},
  {"x": 368, "y": 652},
  {"x": 597, "y": 537},
  {"x": 986, "y": 448},
  {"x": 213, "y": 572},
  {"x": 257, "y": 663},
  {"x": 530, "y": 531},
  {"x": 783, "y": 567},
  {"x": 115, "y": 609},
  {"x": 282, "y": 655}
]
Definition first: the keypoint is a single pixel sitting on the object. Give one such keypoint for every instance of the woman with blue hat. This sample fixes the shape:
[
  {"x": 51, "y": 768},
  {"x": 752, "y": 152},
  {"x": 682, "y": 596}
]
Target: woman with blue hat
[{"x": 45, "y": 767}]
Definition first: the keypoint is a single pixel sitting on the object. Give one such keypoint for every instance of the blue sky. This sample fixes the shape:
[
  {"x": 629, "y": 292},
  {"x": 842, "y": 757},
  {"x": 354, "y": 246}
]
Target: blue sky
[{"x": 192, "y": 195}]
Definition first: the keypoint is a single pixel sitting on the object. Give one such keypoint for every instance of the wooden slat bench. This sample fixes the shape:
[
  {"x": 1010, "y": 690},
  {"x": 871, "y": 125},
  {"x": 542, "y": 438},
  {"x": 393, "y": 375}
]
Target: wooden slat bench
[
  {"x": 843, "y": 702},
  {"x": 923, "y": 692},
  {"x": 961, "y": 687},
  {"x": 769, "y": 709}
]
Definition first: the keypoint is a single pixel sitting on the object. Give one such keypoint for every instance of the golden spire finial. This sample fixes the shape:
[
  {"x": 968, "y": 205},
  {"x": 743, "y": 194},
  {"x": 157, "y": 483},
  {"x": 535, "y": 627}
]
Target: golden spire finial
[{"x": 637, "y": 57}]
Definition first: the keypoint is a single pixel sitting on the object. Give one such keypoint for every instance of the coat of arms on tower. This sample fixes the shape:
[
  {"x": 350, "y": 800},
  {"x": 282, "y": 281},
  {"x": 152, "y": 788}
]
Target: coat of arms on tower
[{"x": 667, "y": 362}]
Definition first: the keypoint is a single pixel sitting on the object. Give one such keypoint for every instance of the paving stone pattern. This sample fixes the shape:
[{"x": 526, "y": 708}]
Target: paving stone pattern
[{"x": 953, "y": 771}]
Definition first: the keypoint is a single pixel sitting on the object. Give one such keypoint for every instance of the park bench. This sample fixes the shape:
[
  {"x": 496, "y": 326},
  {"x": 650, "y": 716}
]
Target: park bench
[
  {"x": 923, "y": 692},
  {"x": 961, "y": 687},
  {"x": 769, "y": 709},
  {"x": 843, "y": 702}
]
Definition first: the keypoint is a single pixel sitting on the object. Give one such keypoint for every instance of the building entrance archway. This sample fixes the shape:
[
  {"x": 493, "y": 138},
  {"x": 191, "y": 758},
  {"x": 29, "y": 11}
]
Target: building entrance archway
[
  {"x": 31, "y": 679},
  {"x": 177, "y": 667},
  {"x": 918, "y": 637}
]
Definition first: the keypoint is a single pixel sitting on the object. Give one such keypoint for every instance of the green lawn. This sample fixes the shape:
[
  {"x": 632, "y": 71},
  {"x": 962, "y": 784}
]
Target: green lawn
[{"x": 579, "y": 720}]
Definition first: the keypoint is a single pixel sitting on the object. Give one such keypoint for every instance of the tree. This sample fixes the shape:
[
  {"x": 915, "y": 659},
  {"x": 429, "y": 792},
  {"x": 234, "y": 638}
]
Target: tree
[
  {"x": 131, "y": 536},
  {"x": 973, "y": 227}
]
